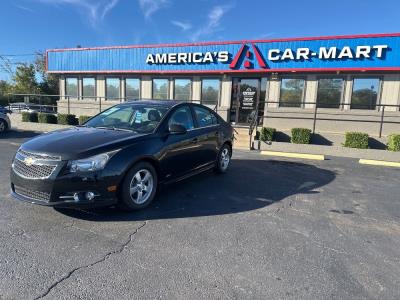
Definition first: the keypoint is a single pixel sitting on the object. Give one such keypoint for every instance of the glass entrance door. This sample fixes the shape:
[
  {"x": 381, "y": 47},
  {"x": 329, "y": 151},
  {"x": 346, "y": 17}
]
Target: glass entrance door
[{"x": 245, "y": 98}]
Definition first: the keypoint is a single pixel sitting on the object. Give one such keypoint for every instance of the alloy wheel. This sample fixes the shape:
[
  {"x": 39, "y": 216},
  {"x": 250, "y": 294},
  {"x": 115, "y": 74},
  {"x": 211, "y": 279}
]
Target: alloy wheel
[
  {"x": 141, "y": 186},
  {"x": 225, "y": 159}
]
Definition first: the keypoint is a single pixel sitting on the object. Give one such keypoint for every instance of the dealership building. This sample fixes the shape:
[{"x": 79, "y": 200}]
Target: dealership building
[{"x": 351, "y": 81}]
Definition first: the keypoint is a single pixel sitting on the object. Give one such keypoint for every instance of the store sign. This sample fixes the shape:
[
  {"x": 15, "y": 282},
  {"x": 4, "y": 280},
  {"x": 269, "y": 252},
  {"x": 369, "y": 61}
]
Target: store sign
[
  {"x": 367, "y": 52},
  {"x": 248, "y": 98}
]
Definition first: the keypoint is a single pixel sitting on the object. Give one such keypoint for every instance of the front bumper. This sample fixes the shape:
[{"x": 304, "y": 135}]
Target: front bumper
[{"x": 59, "y": 189}]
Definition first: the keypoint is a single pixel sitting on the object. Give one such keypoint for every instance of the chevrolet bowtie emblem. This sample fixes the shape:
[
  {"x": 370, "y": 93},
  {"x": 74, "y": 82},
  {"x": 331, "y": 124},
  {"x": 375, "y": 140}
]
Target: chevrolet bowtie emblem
[{"x": 29, "y": 161}]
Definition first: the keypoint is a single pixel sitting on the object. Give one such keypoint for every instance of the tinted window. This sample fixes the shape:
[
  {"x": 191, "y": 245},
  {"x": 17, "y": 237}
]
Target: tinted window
[
  {"x": 132, "y": 88},
  {"x": 113, "y": 88},
  {"x": 182, "y": 116},
  {"x": 160, "y": 88},
  {"x": 210, "y": 91},
  {"x": 182, "y": 89},
  {"x": 88, "y": 87},
  {"x": 204, "y": 117},
  {"x": 365, "y": 93},
  {"x": 291, "y": 92},
  {"x": 71, "y": 87},
  {"x": 329, "y": 92}
]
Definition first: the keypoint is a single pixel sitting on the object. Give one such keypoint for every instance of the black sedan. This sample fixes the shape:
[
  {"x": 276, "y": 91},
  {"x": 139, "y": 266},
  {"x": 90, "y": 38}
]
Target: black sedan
[{"x": 122, "y": 155}]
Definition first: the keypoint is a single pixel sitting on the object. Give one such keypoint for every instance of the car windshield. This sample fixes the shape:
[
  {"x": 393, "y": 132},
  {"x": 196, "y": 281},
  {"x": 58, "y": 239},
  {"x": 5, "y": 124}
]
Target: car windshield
[{"x": 136, "y": 118}]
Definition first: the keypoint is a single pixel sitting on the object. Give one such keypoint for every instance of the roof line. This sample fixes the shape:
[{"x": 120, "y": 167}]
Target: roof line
[{"x": 375, "y": 35}]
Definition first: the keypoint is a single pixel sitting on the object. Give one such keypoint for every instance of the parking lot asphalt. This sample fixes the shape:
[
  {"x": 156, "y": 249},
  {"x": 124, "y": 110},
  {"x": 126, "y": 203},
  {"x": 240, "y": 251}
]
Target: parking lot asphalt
[{"x": 268, "y": 229}]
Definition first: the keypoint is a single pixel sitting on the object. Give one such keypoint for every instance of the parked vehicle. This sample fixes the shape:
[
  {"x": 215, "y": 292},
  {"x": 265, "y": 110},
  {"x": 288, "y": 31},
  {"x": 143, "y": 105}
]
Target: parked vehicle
[
  {"x": 122, "y": 155},
  {"x": 21, "y": 107},
  {"x": 5, "y": 110},
  {"x": 5, "y": 122}
]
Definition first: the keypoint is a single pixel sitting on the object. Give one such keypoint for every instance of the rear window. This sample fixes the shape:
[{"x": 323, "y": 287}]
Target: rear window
[{"x": 205, "y": 117}]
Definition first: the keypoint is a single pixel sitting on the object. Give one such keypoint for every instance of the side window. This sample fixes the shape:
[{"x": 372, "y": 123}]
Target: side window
[
  {"x": 182, "y": 116},
  {"x": 205, "y": 117}
]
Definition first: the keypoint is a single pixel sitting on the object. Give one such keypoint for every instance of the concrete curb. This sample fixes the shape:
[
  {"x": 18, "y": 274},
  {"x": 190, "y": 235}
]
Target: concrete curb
[
  {"x": 379, "y": 163},
  {"x": 368, "y": 154},
  {"x": 17, "y": 124}
]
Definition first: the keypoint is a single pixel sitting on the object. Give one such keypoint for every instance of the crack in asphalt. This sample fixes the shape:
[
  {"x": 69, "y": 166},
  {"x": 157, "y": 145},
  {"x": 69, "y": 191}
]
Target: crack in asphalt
[{"x": 119, "y": 250}]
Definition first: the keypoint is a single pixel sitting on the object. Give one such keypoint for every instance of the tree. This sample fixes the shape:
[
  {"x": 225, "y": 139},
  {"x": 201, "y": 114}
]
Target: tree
[
  {"x": 49, "y": 83},
  {"x": 25, "y": 80}
]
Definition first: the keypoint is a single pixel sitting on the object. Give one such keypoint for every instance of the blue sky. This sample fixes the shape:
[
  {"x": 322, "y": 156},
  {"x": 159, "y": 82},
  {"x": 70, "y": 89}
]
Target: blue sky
[{"x": 27, "y": 26}]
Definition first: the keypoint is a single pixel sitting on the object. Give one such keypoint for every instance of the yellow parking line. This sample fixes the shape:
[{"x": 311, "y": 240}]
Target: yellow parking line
[
  {"x": 379, "y": 163},
  {"x": 294, "y": 155}
]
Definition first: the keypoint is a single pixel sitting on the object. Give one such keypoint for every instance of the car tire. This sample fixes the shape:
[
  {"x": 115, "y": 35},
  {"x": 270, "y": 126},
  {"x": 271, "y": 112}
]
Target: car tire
[
  {"x": 223, "y": 159},
  {"x": 139, "y": 187},
  {"x": 3, "y": 126}
]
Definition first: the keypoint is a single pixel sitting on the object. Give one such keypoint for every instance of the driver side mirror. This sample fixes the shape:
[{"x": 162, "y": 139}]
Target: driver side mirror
[{"x": 176, "y": 129}]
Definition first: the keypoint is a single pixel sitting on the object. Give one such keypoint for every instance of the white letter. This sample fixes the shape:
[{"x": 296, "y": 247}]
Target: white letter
[
  {"x": 223, "y": 56},
  {"x": 302, "y": 53},
  {"x": 182, "y": 57},
  {"x": 271, "y": 54},
  {"x": 288, "y": 53},
  {"x": 208, "y": 57},
  {"x": 323, "y": 54},
  {"x": 197, "y": 57},
  {"x": 172, "y": 58},
  {"x": 161, "y": 58},
  {"x": 150, "y": 59},
  {"x": 363, "y": 51},
  {"x": 379, "y": 49},
  {"x": 346, "y": 52}
]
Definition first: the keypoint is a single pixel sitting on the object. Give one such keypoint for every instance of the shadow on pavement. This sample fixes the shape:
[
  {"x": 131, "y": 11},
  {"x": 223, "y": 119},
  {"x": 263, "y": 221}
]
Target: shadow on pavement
[
  {"x": 18, "y": 134},
  {"x": 248, "y": 185}
]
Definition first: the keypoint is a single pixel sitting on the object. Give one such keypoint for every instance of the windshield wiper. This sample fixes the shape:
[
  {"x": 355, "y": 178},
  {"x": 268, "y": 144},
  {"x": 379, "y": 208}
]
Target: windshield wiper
[{"x": 114, "y": 128}]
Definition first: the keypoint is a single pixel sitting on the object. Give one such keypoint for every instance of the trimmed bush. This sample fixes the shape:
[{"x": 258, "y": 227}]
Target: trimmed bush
[
  {"x": 47, "y": 118},
  {"x": 83, "y": 119},
  {"x": 25, "y": 116},
  {"x": 394, "y": 142},
  {"x": 357, "y": 140},
  {"x": 65, "y": 119},
  {"x": 267, "y": 134},
  {"x": 29, "y": 117},
  {"x": 301, "y": 136}
]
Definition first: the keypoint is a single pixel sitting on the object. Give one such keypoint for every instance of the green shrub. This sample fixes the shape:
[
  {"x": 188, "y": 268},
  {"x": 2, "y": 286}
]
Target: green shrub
[
  {"x": 66, "y": 119},
  {"x": 47, "y": 118},
  {"x": 83, "y": 119},
  {"x": 267, "y": 134},
  {"x": 25, "y": 116},
  {"x": 394, "y": 142},
  {"x": 301, "y": 136},
  {"x": 29, "y": 117},
  {"x": 356, "y": 140}
]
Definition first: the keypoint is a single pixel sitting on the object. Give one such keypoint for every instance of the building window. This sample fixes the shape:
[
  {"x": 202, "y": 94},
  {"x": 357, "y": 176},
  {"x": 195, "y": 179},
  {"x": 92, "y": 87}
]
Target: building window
[
  {"x": 292, "y": 91},
  {"x": 132, "y": 88},
  {"x": 88, "y": 87},
  {"x": 182, "y": 89},
  {"x": 71, "y": 87},
  {"x": 210, "y": 90},
  {"x": 160, "y": 89},
  {"x": 365, "y": 93},
  {"x": 113, "y": 88},
  {"x": 329, "y": 93}
]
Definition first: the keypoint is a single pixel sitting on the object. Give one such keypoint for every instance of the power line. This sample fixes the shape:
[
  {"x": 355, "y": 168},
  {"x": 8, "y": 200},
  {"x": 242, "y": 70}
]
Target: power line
[{"x": 26, "y": 54}]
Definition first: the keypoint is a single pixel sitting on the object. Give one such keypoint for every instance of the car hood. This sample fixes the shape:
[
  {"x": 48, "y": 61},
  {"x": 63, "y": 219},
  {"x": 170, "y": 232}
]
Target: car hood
[{"x": 79, "y": 142}]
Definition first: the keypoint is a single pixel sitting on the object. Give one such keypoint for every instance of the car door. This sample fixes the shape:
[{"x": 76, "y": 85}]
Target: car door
[
  {"x": 208, "y": 134},
  {"x": 181, "y": 151}
]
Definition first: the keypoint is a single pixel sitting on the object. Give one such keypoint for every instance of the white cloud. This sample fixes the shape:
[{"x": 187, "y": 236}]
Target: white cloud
[
  {"x": 24, "y": 8},
  {"x": 213, "y": 21},
  {"x": 182, "y": 25},
  {"x": 95, "y": 10},
  {"x": 149, "y": 7}
]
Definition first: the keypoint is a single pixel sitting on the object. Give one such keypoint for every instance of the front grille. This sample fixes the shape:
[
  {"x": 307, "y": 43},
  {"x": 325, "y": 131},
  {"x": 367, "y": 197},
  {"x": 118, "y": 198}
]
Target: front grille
[
  {"x": 33, "y": 171},
  {"x": 34, "y": 195},
  {"x": 39, "y": 155}
]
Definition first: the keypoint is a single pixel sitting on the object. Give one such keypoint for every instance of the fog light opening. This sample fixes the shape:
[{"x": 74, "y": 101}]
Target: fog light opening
[{"x": 89, "y": 196}]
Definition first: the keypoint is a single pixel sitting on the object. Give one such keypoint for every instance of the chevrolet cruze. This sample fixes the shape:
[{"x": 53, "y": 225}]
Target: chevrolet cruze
[{"x": 122, "y": 155}]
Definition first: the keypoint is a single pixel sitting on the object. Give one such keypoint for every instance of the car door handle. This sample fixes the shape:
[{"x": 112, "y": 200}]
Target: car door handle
[{"x": 195, "y": 140}]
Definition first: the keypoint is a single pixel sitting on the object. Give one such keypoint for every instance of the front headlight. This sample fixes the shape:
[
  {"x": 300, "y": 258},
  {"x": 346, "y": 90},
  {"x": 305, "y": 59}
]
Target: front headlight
[{"x": 90, "y": 164}]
